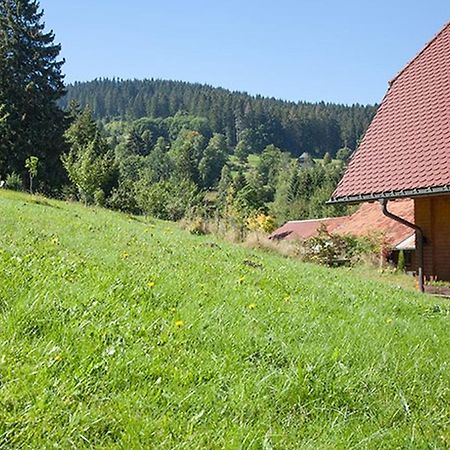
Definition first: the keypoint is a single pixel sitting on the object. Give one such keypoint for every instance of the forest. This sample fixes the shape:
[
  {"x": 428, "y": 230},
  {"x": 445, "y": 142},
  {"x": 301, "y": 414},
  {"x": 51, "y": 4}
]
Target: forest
[
  {"x": 316, "y": 128},
  {"x": 165, "y": 148}
]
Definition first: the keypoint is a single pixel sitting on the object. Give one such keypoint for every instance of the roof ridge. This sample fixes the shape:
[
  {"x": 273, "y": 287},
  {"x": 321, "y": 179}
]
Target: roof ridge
[
  {"x": 315, "y": 220},
  {"x": 420, "y": 53}
]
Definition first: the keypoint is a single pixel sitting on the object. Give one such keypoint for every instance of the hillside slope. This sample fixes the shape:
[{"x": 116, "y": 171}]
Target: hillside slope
[
  {"x": 293, "y": 126},
  {"x": 123, "y": 332}
]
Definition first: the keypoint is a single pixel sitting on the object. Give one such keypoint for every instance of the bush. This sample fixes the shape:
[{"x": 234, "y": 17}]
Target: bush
[
  {"x": 69, "y": 193},
  {"x": 337, "y": 250},
  {"x": 99, "y": 197},
  {"x": 14, "y": 182},
  {"x": 261, "y": 222},
  {"x": 123, "y": 198},
  {"x": 167, "y": 200}
]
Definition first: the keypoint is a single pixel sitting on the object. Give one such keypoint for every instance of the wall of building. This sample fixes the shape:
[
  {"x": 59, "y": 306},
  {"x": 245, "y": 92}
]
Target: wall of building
[{"x": 432, "y": 214}]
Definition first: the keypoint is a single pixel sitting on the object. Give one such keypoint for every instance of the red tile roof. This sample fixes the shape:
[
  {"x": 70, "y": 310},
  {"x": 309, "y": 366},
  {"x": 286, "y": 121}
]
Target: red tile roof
[
  {"x": 368, "y": 219},
  {"x": 304, "y": 229},
  {"x": 407, "y": 145}
]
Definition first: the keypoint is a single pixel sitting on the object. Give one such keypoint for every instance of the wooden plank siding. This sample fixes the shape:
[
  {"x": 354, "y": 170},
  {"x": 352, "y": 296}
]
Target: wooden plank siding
[{"x": 432, "y": 214}]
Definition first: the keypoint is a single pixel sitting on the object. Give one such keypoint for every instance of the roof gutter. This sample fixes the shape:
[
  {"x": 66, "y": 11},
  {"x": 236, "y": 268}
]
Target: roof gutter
[
  {"x": 407, "y": 193},
  {"x": 420, "y": 240}
]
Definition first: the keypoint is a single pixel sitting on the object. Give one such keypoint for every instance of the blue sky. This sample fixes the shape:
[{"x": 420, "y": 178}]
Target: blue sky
[{"x": 338, "y": 51}]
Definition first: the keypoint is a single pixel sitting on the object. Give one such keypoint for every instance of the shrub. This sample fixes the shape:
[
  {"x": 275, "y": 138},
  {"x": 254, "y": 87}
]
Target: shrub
[
  {"x": 123, "y": 198},
  {"x": 261, "y": 222},
  {"x": 336, "y": 250},
  {"x": 168, "y": 199},
  {"x": 99, "y": 197},
  {"x": 14, "y": 182},
  {"x": 69, "y": 193}
]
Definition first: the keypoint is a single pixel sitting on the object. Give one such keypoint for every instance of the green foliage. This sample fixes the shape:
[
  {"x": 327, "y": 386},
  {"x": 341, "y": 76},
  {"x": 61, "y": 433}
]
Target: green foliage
[
  {"x": 186, "y": 154},
  {"x": 123, "y": 332},
  {"x": 343, "y": 154},
  {"x": 213, "y": 160},
  {"x": 250, "y": 123},
  {"x": 168, "y": 199},
  {"x": 224, "y": 189},
  {"x": 259, "y": 176},
  {"x": 82, "y": 129},
  {"x": 31, "y": 83},
  {"x": 90, "y": 162},
  {"x": 271, "y": 182},
  {"x": 302, "y": 191},
  {"x": 247, "y": 143},
  {"x": 338, "y": 250},
  {"x": 269, "y": 165},
  {"x": 14, "y": 182},
  {"x": 31, "y": 164}
]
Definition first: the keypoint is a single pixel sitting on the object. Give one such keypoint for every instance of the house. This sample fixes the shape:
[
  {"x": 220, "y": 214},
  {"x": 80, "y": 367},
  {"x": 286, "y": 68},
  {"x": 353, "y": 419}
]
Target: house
[
  {"x": 405, "y": 153},
  {"x": 367, "y": 220},
  {"x": 305, "y": 159}
]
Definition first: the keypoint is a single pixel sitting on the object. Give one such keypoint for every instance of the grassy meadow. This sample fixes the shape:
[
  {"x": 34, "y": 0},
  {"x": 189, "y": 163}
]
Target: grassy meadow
[{"x": 126, "y": 332}]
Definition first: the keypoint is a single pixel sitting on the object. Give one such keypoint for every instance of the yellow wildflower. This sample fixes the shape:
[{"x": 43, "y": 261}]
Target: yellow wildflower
[
  {"x": 179, "y": 323},
  {"x": 151, "y": 284},
  {"x": 252, "y": 306}
]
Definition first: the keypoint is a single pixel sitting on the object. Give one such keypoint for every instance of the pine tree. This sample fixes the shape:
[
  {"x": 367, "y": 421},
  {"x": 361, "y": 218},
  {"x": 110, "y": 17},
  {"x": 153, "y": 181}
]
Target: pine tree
[{"x": 31, "y": 82}]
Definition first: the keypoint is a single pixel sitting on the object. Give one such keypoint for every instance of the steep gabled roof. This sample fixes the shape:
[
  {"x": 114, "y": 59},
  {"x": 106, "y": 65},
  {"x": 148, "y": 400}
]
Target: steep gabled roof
[{"x": 406, "y": 149}]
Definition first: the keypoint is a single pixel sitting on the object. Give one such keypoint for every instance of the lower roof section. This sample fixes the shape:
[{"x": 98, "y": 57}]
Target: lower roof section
[{"x": 367, "y": 220}]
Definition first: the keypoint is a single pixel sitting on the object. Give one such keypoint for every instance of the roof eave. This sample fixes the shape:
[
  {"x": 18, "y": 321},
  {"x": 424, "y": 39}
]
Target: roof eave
[{"x": 390, "y": 195}]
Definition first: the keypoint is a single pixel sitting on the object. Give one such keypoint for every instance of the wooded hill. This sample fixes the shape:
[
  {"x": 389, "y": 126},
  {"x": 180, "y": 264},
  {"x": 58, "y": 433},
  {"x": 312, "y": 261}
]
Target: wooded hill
[{"x": 299, "y": 127}]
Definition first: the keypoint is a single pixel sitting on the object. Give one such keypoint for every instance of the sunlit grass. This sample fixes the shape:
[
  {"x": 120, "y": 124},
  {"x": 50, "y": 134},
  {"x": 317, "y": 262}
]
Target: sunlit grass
[{"x": 124, "y": 332}]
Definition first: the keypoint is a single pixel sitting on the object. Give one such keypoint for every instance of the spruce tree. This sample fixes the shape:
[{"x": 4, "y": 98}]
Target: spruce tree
[{"x": 31, "y": 83}]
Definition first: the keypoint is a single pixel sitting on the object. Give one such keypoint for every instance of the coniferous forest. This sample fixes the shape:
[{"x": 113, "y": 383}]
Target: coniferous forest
[
  {"x": 316, "y": 128},
  {"x": 170, "y": 149}
]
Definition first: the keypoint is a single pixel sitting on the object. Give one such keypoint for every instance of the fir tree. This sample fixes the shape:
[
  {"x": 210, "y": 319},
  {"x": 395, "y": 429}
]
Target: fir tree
[{"x": 31, "y": 83}]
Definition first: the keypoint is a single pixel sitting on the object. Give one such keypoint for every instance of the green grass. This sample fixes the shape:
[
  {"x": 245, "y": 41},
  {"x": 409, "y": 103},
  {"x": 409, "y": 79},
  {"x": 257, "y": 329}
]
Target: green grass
[{"x": 123, "y": 332}]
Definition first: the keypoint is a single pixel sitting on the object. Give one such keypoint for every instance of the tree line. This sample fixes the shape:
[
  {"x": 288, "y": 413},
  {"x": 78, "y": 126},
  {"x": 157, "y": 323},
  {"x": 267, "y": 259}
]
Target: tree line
[{"x": 299, "y": 127}]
